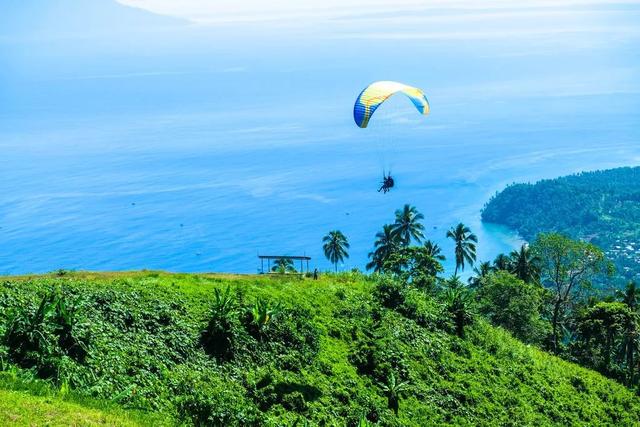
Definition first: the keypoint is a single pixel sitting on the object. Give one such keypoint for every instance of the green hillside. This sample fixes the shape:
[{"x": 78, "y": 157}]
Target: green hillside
[
  {"x": 23, "y": 409},
  {"x": 602, "y": 207},
  {"x": 321, "y": 352}
]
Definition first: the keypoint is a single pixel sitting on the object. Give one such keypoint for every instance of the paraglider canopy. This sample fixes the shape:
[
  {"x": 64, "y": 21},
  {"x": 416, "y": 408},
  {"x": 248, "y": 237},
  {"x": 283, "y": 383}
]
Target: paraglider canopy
[{"x": 376, "y": 93}]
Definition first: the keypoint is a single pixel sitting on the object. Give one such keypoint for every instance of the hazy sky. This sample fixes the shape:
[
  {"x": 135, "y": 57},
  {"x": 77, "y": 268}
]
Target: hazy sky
[
  {"x": 208, "y": 11},
  {"x": 465, "y": 47},
  {"x": 591, "y": 20}
]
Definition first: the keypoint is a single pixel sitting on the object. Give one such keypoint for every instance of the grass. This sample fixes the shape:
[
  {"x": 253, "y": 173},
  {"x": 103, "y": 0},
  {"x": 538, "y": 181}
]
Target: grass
[
  {"x": 28, "y": 401},
  {"x": 18, "y": 408}
]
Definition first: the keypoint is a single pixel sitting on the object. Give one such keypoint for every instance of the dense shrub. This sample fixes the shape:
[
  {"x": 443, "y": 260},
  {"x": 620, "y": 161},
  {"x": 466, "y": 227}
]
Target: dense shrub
[
  {"x": 263, "y": 333},
  {"x": 223, "y": 331},
  {"x": 208, "y": 398},
  {"x": 390, "y": 292},
  {"x": 41, "y": 336},
  {"x": 291, "y": 342},
  {"x": 514, "y": 305}
]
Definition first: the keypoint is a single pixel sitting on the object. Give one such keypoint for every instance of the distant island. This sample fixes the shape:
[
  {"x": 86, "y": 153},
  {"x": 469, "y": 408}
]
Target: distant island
[{"x": 602, "y": 207}]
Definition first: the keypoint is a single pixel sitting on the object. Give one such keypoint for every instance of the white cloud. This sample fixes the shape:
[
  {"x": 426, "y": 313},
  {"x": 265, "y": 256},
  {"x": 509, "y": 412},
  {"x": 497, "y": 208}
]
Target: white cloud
[
  {"x": 155, "y": 74},
  {"x": 302, "y": 12}
]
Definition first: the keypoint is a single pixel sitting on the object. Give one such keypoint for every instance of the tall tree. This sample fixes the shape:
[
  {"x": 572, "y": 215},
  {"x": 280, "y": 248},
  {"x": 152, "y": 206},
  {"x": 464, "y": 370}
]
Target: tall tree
[
  {"x": 465, "y": 246},
  {"x": 335, "y": 247},
  {"x": 514, "y": 305},
  {"x": 432, "y": 249},
  {"x": 407, "y": 225},
  {"x": 630, "y": 296},
  {"x": 631, "y": 340},
  {"x": 386, "y": 243},
  {"x": 502, "y": 262},
  {"x": 565, "y": 266},
  {"x": 481, "y": 271},
  {"x": 524, "y": 264},
  {"x": 458, "y": 302},
  {"x": 414, "y": 265},
  {"x": 600, "y": 329}
]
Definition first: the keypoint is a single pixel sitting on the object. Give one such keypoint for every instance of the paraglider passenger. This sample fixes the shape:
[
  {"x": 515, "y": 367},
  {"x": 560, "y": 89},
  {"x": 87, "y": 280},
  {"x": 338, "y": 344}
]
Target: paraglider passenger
[{"x": 387, "y": 184}]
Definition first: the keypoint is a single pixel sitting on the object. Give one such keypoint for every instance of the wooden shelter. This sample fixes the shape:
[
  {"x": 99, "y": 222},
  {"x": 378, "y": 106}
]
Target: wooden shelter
[{"x": 301, "y": 258}]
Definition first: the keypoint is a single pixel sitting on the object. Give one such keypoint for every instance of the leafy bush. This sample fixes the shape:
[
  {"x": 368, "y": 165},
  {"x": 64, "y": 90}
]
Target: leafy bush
[
  {"x": 218, "y": 337},
  {"x": 262, "y": 314},
  {"x": 390, "y": 292},
  {"x": 291, "y": 341},
  {"x": 210, "y": 399},
  {"x": 514, "y": 305},
  {"x": 41, "y": 337}
]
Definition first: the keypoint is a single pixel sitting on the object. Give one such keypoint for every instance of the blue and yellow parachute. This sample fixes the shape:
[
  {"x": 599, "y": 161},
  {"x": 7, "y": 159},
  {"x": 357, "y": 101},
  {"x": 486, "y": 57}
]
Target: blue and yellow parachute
[{"x": 376, "y": 93}]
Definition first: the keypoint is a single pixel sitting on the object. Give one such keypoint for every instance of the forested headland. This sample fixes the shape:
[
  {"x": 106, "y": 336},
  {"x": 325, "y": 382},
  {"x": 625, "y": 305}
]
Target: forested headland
[{"x": 602, "y": 207}]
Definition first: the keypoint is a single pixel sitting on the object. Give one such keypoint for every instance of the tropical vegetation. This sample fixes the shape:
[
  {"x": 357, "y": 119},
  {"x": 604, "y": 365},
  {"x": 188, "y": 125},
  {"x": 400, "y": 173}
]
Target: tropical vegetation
[{"x": 347, "y": 349}]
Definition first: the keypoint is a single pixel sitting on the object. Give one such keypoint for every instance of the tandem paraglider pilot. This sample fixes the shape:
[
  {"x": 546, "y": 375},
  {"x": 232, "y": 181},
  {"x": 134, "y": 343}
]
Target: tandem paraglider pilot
[{"x": 387, "y": 184}]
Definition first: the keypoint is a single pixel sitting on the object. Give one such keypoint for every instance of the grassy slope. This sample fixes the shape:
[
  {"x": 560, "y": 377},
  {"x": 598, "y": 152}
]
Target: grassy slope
[
  {"x": 22, "y": 409},
  {"x": 28, "y": 402},
  {"x": 487, "y": 379}
]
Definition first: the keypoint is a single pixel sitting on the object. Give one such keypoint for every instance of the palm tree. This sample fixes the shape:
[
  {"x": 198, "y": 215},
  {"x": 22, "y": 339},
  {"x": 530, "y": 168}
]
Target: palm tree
[
  {"x": 335, "y": 247},
  {"x": 283, "y": 265},
  {"x": 407, "y": 225},
  {"x": 216, "y": 338},
  {"x": 465, "y": 241},
  {"x": 458, "y": 303},
  {"x": 630, "y": 296},
  {"x": 481, "y": 271},
  {"x": 502, "y": 262},
  {"x": 433, "y": 250},
  {"x": 386, "y": 243},
  {"x": 524, "y": 264},
  {"x": 453, "y": 282}
]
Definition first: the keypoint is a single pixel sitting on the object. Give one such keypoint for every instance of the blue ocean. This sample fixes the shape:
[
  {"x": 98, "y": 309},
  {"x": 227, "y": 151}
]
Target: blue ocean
[{"x": 195, "y": 147}]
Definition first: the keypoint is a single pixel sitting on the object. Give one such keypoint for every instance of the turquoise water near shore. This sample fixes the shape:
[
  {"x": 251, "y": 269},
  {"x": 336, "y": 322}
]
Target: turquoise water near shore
[{"x": 198, "y": 158}]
